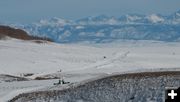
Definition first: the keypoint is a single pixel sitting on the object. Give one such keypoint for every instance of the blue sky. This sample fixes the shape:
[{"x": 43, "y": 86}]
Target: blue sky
[{"x": 24, "y": 11}]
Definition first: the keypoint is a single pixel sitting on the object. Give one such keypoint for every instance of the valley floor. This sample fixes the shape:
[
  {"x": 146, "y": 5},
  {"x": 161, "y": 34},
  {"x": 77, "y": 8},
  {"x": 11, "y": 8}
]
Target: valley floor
[{"x": 79, "y": 62}]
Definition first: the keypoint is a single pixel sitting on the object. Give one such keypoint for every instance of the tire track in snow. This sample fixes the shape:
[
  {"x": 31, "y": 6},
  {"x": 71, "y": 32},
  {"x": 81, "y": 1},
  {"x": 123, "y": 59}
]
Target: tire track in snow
[{"x": 117, "y": 57}]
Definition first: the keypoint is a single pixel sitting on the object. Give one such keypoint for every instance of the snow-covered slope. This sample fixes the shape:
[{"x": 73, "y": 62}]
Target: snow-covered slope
[
  {"x": 27, "y": 57},
  {"x": 134, "y": 87},
  {"x": 79, "y": 61}
]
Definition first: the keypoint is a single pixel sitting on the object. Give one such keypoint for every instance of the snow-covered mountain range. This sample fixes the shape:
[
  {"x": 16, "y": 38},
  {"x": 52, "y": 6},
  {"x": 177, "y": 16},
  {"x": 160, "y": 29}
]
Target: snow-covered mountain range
[{"x": 104, "y": 29}]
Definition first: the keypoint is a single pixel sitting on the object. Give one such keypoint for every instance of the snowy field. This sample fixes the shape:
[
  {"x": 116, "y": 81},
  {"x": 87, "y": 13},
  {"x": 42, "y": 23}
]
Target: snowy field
[
  {"x": 79, "y": 61},
  {"x": 18, "y": 57}
]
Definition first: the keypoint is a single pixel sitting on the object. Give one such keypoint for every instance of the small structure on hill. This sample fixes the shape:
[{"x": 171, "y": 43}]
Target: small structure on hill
[{"x": 61, "y": 79}]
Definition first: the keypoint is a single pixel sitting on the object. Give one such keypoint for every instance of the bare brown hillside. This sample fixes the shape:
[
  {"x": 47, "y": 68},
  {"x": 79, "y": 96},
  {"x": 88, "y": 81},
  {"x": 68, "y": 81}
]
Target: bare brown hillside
[{"x": 18, "y": 34}]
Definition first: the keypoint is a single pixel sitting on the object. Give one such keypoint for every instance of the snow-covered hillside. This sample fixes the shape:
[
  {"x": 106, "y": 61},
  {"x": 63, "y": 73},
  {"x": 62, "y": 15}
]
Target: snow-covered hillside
[
  {"x": 79, "y": 61},
  {"x": 18, "y": 56},
  {"x": 134, "y": 87}
]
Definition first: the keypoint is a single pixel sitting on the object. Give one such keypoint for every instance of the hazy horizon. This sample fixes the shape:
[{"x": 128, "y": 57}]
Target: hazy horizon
[{"x": 24, "y": 11}]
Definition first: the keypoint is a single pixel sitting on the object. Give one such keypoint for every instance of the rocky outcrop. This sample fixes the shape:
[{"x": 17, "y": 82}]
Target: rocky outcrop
[{"x": 137, "y": 87}]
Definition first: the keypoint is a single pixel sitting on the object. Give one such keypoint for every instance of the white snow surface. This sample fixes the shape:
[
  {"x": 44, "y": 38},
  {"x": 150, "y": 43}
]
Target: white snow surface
[
  {"x": 26, "y": 57},
  {"x": 155, "y": 18},
  {"x": 81, "y": 60}
]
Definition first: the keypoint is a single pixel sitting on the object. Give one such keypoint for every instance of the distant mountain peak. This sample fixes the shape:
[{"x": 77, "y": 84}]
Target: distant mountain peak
[
  {"x": 133, "y": 17},
  {"x": 154, "y": 18},
  {"x": 55, "y": 21}
]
